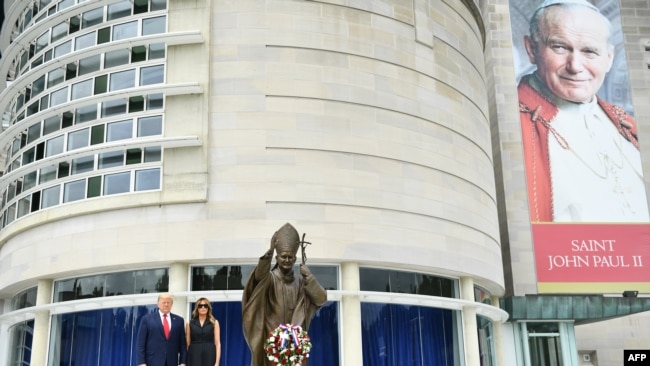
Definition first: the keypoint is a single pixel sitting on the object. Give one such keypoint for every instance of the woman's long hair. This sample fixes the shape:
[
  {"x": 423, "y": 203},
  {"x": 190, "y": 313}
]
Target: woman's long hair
[{"x": 195, "y": 312}]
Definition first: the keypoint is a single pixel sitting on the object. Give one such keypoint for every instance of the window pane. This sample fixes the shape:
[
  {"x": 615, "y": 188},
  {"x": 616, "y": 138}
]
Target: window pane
[
  {"x": 133, "y": 156},
  {"x": 74, "y": 191},
  {"x": 374, "y": 280},
  {"x": 158, "y": 5},
  {"x": 64, "y": 4},
  {"x": 117, "y": 183},
  {"x": 97, "y": 135},
  {"x": 119, "y": 10},
  {"x": 54, "y": 146},
  {"x": 63, "y": 49},
  {"x": 138, "y": 53},
  {"x": 111, "y": 159},
  {"x": 152, "y": 154},
  {"x": 42, "y": 42},
  {"x": 94, "y": 187},
  {"x": 50, "y": 197},
  {"x": 78, "y": 139},
  {"x": 113, "y": 108},
  {"x": 83, "y": 165},
  {"x": 59, "y": 97},
  {"x": 86, "y": 114},
  {"x": 156, "y": 50},
  {"x": 89, "y": 64},
  {"x": 29, "y": 156},
  {"x": 122, "y": 80},
  {"x": 85, "y": 41},
  {"x": 122, "y": 283},
  {"x": 154, "y": 101},
  {"x": 152, "y": 280},
  {"x": 38, "y": 86},
  {"x": 82, "y": 89},
  {"x": 119, "y": 130},
  {"x": 116, "y": 58},
  {"x": 55, "y": 77},
  {"x": 51, "y": 124},
  {"x": 126, "y": 30},
  {"x": 103, "y": 35},
  {"x": 29, "y": 181},
  {"x": 24, "y": 206},
  {"x": 146, "y": 180},
  {"x": 152, "y": 75},
  {"x": 150, "y": 126},
  {"x": 59, "y": 31},
  {"x": 92, "y": 17},
  {"x": 153, "y": 25}
]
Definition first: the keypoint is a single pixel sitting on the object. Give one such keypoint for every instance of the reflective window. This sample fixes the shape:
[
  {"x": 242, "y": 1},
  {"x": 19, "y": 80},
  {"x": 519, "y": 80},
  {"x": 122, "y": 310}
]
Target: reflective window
[
  {"x": 50, "y": 197},
  {"x": 153, "y": 26},
  {"x": 119, "y": 130},
  {"x": 89, "y": 64},
  {"x": 59, "y": 97},
  {"x": 117, "y": 183},
  {"x": 47, "y": 174},
  {"x": 119, "y": 10},
  {"x": 83, "y": 165},
  {"x": 116, "y": 58},
  {"x": 33, "y": 133},
  {"x": 86, "y": 113},
  {"x": 122, "y": 80},
  {"x": 55, "y": 77},
  {"x": 150, "y": 126},
  {"x": 82, "y": 89},
  {"x": 54, "y": 146},
  {"x": 152, "y": 75},
  {"x": 59, "y": 31},
  {"x": 85, "y": 41},
  {"x": 111, "y": 284},
  {"x": 126, "y": 30},
  {"x": 92, "y": 17},
  {"x": 20, "y": 343},
  {"x": 382, "y": 280},
  {"x": 78, "y": 139},
  {"x": 24, "y": 299},
  {"x": 74, "y": 191},
  {"x": 63, "y": 49},
  {"x": 148, "y": 179},
  {"x": 111, "y": 159}
]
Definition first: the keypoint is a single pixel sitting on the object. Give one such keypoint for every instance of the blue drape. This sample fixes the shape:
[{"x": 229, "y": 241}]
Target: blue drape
[
  {"x": 108, "y": 337},
  {"x": 398, "y": 335}
]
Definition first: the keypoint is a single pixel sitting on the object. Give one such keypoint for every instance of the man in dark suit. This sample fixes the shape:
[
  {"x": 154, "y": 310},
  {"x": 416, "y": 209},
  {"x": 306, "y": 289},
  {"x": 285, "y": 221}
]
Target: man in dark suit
[{"x": 161, "y": 338}]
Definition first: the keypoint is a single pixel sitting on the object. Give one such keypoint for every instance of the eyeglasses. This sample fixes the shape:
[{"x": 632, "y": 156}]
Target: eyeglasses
[{"x": 203, "y": 306}]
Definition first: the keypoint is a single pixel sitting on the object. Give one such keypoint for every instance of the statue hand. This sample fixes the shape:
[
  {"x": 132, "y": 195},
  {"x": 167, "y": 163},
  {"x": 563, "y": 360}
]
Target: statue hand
[{"x": 304, "y": 270}]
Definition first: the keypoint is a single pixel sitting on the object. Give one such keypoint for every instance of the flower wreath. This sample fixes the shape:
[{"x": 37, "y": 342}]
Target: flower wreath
[{"x": 287, "y": 345}]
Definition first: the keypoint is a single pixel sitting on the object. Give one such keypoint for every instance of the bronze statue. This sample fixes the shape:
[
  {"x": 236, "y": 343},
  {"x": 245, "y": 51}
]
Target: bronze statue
[{"x": 276, "y": 296}]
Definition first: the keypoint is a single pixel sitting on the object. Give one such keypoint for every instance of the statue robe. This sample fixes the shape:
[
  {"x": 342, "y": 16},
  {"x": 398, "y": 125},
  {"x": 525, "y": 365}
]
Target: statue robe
[{"x": 271, "y": 298}]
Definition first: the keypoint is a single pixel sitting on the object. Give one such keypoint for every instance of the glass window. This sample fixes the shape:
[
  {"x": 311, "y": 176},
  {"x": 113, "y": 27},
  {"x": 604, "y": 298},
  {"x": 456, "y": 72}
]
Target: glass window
[
  {"x": 146, "y": 180},
  {"x": 51, "y": 197},
  {"x": 119, "y": 10},
  {"x": 71, "y": 71},
  {"x": 10, "y": 214},
  {"x": 153, "y": 25},
  {"x": 21, "y": 336},
  {"x": 136, "y": 104},
  {"x": 51, "y": 124},
  {"x": 63, "y": 49},
  {"x": 42, "y": 42},
  {"x": 116, "y": 58},
  {"x": 117, "y": 183},
  {"x": 140, "y": 6},
  {"x": 85, "y": 41},
  {"x": 83, "y": 165},
  {"x": 89, "y": 64},
  {"x": 121, "y": 283},
  {"x": 59, "y": 31},
  {"x": 382, "y": 280},
  {"x": 119, "y": 130},
  {"x": 103, "y": 35},
  {"x": 32, "y": 109},
  {"x": 94, "y": 187},
  {"x": 122, "y": 80},
  {"x": 24, "y": 206},
  {"x": 64, "y": 4},
  {"x": 133, "y": 156},
  {"x": 64, "y": 169},
  {"x": 54, "y": 146},
  {"x": 86, "y": 114},
  {"x": 152, "y": 154},
  {"x": 82, "y": 89},
  {"x": 92, "y": 17},
  {"x": 24, "y": 299},
  {"x": 152, "y": 75},
  {"x": 38, "y": 86},
  {"x": 210, "y": 278},
  {"x": 55, "y": 77},
  {"x": 156, "y": 51},
  {"x": 138, "y": 53},
  {"x": 78, "y": 139},
  {"x": 111, "y": 159},
  {"x": 154, "y": 101},
  {"x": 150, "y": 126},
  {"x": 126, "y": 30},
  {"x": 114, "y": 107},
  {"x": 74, "y": 191},
  {"x": 97, "y": 135},
  {"x": 29, "y": 181},
  {"x": 45, "y": 102},
  {"x": 59, "y": 97},
  {"x": 29, "y": 155},
  {"x": 158, "y": 5}
]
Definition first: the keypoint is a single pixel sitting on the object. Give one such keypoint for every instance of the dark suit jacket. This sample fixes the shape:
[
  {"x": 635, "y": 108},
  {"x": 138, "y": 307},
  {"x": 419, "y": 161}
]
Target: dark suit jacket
[{"x": 153, "y": 349}]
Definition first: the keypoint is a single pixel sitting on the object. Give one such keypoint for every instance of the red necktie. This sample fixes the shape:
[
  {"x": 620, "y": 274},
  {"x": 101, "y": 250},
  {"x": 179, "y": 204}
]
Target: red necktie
[{"x": 166, "y": 326}]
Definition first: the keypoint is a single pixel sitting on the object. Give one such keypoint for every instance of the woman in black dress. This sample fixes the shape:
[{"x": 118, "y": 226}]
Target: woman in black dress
[{"x": 202, "y": 332}]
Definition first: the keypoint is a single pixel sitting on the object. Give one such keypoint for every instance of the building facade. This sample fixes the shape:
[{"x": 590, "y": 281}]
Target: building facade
[{"x": 156, "y": 145}]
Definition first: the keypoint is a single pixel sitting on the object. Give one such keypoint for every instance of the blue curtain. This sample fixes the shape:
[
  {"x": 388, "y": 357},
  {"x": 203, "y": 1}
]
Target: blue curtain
[
  {"x": 108, "y": 337},
  {"x": 398, "y": 335}
]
